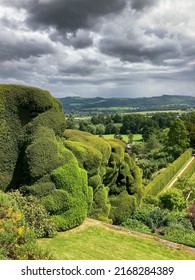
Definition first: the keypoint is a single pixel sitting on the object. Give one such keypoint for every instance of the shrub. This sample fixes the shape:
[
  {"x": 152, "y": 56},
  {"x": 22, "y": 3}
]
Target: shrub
[
  {"x": 172, "y": 200},
  {"x": 17, "y": 241},
  {"x": 100, "y": 205},
  {"x": 122, "y": 206},
  {"x": 35, "y": 215},
  {"x": 191, "y": 214},
  {"x": 136, "y": 225},
  {"x": 73, "y": 181},
  {"x": 179, "y": 234},
  {"x": 152, "y": 217}
]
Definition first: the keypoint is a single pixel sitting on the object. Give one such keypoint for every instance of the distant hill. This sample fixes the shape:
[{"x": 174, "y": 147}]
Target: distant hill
[{"x": 85, "y": 106}]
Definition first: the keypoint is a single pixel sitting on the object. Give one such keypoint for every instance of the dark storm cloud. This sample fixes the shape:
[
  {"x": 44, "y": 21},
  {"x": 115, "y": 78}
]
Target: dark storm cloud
[
  {"x": 141, "y": 4},
  {"x": 82, "y": 67},
  {"x": 70, "y": 15},
  {"x": 134, "y": 50},
  {"x": 79, "y": 40},
  {"x": 14, "y": 46}
]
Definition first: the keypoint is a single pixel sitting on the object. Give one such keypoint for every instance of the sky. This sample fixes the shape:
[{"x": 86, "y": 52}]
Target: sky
[{"x": 108, "y": 48}]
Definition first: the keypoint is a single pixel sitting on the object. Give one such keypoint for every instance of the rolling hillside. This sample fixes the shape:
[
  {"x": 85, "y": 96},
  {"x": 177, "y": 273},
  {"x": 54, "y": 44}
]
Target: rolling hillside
[{"x": 80, "y": 105}]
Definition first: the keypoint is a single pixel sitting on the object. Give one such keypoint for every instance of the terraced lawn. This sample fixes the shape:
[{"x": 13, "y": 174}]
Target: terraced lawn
[{"x": 95, "y": 241}]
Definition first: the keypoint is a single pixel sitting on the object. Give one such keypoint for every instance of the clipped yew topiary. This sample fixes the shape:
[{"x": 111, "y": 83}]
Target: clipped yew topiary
[{"x": 72, "y": 173}]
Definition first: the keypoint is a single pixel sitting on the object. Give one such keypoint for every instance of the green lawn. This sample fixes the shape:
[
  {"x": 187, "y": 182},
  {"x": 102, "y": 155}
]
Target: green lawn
[
  {"x": 92, "y": 241},
  {"x": 136, "y": 137}
]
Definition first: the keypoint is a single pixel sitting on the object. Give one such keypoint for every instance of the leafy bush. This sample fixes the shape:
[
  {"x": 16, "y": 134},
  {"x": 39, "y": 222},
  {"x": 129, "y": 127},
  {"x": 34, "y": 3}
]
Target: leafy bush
[
  {"x": 191, "y": 214},
  {"x": 152, "y": 217},
  {"x": 35, "y": 215},
  {"x": 136, "y": 225},
  {"x": 172, "y": 200},
  {"x": 73, "y": 181},
  {"x": 17, "y": 241},
  {"x": 177, "y": 233},
  {"x": 122, "y": 206}
]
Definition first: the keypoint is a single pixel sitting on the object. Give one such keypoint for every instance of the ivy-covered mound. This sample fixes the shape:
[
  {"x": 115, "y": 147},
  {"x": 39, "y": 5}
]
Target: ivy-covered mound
[{"x": 74, "y": 174}]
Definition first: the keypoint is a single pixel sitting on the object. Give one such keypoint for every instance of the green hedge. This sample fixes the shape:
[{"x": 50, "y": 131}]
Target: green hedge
[
  {"x": 158, "y": 184},
  {"x": 22, "y": 110},
  {"x": 122, "y": 206}
]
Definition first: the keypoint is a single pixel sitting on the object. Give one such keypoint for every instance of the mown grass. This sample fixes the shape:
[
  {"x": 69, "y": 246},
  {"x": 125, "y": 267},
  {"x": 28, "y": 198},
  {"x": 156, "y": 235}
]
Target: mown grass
[
  {"x": 96, "y": 242},
  {"x": 136, "y": 137}
]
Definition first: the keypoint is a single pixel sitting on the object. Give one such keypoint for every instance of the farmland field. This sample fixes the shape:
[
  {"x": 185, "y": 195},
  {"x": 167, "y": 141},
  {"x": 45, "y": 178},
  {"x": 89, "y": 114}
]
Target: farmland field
[
  {"x": 136, "y": 137},
  {"x": 94, "y": 241}
]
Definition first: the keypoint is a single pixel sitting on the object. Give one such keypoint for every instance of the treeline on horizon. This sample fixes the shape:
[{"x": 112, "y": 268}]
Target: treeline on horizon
[{"x": 89, "y": 106}]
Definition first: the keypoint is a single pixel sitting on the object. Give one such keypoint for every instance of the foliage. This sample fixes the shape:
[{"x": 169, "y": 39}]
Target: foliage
[
  {"x": 76, "y": 195},
  {"x": 160, "y": 181},
  {"x": 172, "y": 200},
  {"x": 152, "y": 216},
  {"x": 179, "y": 234},
  {"x": 17, "y": 241},
  {"x": 178, "y": 138},
  {"x": 122, "y": 206},
  {"x": 191, "y": 214},
  {"x": 110, "y": 170},
  {"x": 136, "y": 225},
  {"x": 22, "y": 110},
  {"x": 42, "y": 161},
  {"x": 35, "y": 215}
]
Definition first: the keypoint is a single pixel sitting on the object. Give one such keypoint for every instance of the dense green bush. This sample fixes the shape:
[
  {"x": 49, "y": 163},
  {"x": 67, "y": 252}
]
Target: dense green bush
[
  {"x": 122, "y": 206},
  {"x": 17, "y": 241},
  {"x": 136, "y": 225},
  {"x": 35, "y": 215},
  {"x": 152, "y": 217},
  {"x": 73, "y": 180},
  {"x": 111, "y": 171},
  {"x": 179, "y": 234},
  {"x": 72, "y": 176},
  {"x": 172, "y": 200},
  {"x": 22, "y": 110}
]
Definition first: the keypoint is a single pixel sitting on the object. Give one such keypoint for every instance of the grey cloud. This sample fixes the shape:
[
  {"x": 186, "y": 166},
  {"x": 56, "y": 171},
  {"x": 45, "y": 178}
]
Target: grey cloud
[
  {"x": 83, "y": 67},
  {"x": 79, "y": 40},
  {"x": 141, "y": 4},
  {"x": 14, "y": 46},
  {"x": 139, "y": 50},
  {"x": 70, "y": 15}
]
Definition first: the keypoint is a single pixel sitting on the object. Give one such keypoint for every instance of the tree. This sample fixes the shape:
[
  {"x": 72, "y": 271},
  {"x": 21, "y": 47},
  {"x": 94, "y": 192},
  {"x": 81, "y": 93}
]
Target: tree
[
  {"x": 152, "y": 143},
  {"x": 100, "y": 129},
  {"x": 178, "y": 139},
  {"x": 130, "y": 137},
  {"x": 178, "y": 135},
  {"x": 172, "y": 200},
  {"x": 71, "y": 122}
]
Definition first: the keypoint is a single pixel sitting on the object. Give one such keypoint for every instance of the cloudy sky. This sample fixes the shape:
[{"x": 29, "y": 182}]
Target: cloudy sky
[{"x": 110, "y": 48}]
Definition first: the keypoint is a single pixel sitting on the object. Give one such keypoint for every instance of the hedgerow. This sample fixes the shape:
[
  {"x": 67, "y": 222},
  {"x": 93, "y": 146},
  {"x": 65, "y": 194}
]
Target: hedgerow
[{"x": 160, "y": 181}]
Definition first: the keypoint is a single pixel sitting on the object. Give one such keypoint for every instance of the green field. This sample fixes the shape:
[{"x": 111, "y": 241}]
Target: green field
[
  {"x": 94, "y": 241},
  {"x": 136, "y": 137}
]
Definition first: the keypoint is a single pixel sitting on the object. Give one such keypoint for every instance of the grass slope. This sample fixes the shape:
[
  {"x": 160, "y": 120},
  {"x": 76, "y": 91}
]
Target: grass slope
[{"x": 93, "y": 241}]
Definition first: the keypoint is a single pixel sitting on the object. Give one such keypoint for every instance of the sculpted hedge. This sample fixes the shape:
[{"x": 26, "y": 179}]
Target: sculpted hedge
[{"x": 74, "y": 174}]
